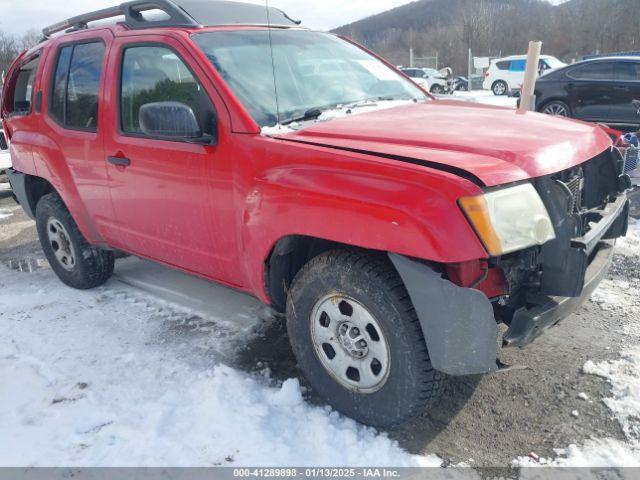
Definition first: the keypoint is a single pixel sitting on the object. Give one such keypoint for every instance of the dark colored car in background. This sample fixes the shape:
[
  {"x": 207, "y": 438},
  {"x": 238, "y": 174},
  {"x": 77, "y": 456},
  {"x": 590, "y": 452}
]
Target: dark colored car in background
[
  {"x": 461, "y": 83},
  {"x": 597, "y": 90}
]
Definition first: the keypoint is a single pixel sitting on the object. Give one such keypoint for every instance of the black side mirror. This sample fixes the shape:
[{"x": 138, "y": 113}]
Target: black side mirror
[{"x": 171, "y": 121}]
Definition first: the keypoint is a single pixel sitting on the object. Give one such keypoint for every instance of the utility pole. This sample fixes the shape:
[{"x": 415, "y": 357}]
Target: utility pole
[{"x": 527, "y": 97}]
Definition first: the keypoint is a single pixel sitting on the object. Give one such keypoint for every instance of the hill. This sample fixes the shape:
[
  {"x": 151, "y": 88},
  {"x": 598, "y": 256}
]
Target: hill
[{"x": 449, "y": 28}]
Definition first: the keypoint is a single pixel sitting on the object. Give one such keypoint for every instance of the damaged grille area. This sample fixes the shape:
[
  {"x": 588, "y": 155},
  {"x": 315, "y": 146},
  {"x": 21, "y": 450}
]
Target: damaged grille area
[
  {"x": 3, "y": 141},
  {"x": 576, "y": 200}
]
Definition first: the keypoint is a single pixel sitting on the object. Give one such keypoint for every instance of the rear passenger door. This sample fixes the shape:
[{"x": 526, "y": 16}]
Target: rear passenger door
[
  {"x": 590, "y": 91},
  {"x": 74, "y": 121},
  {"x": 627, "y": 89},
  {"x": 172, "y": 197}
]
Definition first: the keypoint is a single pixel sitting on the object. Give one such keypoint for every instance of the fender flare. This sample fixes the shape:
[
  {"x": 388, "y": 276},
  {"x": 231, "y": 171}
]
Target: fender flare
[{"x": 458, "y": 323}]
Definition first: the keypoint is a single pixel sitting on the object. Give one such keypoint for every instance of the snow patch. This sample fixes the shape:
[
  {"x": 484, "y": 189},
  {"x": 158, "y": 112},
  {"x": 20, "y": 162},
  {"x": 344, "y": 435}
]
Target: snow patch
[
  {"x": 4, "y": 214},
  {"x": 93, "y": 378}
]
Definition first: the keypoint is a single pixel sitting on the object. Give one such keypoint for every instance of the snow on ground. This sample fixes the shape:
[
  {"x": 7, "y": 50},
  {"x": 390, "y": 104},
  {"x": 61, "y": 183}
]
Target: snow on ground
[
  {"x": 111, "y": 377},
  {"x": 623, "y": 376},
  {"x": 3, "y": 212}
]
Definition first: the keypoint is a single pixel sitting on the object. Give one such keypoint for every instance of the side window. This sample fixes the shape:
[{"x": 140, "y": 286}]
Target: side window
[
  {"x": 518, "y": 66},
  {"x": 75, "y": 87},
  {"x": 593, "y": 71},
  {"x": 156, "y": 74},
  {"x": 22, "y": 88},
  {"x": 504, "y": 65},
  {"x": 627, "y": 71}
]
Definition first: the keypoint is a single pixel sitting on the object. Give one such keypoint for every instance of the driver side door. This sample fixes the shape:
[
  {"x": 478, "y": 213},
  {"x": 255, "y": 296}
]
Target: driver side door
[{"x": 172, "y": 198}]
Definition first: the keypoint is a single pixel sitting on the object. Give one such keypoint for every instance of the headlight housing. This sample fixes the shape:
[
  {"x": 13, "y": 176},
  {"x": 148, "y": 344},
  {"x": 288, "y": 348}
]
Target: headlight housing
[{"x": 509, "y": 219}]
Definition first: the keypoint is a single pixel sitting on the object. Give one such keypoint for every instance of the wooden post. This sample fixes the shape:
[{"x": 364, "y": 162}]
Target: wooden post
[{"x": 527, "y": 97}]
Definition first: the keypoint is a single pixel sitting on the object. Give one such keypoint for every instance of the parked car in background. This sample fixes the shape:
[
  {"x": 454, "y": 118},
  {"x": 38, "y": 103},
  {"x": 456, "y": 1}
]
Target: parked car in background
[
  {"x": 5, "y": 158},
  {"x": 461, "y": 83},
  {"x": 605, "y": 90},
  {"x": 428, "y": 78},
  {"x": 507, "y": 73}
]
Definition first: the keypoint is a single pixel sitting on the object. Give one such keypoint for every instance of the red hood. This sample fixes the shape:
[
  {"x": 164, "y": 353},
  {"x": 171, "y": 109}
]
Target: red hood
[{"x": 496, "y": 145}]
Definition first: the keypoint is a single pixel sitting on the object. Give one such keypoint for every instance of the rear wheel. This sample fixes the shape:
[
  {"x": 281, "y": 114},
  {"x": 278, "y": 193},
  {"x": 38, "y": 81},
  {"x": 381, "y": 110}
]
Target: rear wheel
[
  {"x": 76, "y": 262},
  {"x": 499, "y": 88},
  {"x": 358, "y": 340},
  {"x": 557, "y": 108},
  {"x": 437, "y": 89}
]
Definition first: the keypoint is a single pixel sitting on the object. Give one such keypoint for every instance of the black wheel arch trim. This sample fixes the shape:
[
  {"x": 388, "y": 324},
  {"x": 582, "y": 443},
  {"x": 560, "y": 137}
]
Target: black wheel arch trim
[{"x": 18, "y": 182}]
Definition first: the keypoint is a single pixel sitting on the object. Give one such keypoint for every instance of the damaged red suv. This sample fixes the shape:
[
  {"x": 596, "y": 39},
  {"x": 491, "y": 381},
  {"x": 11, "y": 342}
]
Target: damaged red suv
[{"x": 394, "y": 231}]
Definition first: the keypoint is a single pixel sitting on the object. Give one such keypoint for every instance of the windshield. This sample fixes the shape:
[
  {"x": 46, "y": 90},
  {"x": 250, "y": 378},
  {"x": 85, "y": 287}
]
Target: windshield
[{"x": 313, "y": 71}]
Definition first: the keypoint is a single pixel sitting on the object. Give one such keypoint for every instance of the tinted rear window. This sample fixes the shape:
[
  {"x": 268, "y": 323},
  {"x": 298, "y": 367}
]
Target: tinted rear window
[
  {"x": 76, "y": 86},
  {"x": 504, "y": 65},
  {"x": 628, "y": 71}
]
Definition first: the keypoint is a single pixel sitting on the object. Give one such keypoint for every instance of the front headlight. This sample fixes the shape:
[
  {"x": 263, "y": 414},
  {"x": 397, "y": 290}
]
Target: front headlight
[{"x": 509, "y": 219}]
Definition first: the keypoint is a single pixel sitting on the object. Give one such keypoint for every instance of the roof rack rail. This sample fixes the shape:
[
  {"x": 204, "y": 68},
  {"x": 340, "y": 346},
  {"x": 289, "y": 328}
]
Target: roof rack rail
[
  {"x": 181, "y": 13},
  {"x": 132, "y": 12}
]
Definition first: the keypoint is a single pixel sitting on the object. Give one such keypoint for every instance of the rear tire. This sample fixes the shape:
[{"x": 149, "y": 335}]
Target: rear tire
[
  {"x": 77, "y": 263},
  {"x": 332, "y": 300},
  {"x": 437, "y": 89},
  {"x": 500, "y": 88}
]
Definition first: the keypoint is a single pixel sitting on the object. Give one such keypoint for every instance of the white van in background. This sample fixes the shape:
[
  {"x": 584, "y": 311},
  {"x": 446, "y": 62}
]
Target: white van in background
[{"x": 507, "y": 73}]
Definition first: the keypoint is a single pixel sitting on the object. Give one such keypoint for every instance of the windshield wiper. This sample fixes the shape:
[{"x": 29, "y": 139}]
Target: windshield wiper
[{"x": 310, "y": 114}]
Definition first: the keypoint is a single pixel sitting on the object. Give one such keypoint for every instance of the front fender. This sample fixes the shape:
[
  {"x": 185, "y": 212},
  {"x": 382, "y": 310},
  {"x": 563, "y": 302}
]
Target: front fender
[{"x": 412, "y": 217}]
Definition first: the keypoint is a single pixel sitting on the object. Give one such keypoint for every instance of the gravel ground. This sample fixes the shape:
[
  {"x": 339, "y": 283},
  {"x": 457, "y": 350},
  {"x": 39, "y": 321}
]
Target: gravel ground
[{"x": 484, "y": 421}]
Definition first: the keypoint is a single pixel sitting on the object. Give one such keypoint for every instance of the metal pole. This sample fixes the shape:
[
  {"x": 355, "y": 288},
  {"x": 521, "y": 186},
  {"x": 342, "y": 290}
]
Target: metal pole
[
  {"x": 469, "y": 70},
  {"x": 527, "y": 97},
  {"x": 411, "y": 56}
]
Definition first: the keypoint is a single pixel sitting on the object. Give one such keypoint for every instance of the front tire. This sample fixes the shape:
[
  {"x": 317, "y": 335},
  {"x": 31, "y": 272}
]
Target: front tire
[
  {"x": 556, "y": 108},
  {"x": 77, "y": 263},
  {"x": 358, "y": 340},
  {"x": 500, "y": 88},
  {"x": 437, "y": 89}
]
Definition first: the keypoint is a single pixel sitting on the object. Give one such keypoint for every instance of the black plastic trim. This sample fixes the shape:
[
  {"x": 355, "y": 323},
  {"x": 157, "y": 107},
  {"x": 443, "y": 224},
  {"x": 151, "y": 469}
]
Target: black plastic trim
[{"x": 18, "y": 182}]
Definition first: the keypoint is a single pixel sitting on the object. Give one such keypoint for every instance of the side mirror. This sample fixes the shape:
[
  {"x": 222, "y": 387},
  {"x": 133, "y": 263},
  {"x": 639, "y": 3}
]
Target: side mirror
[{"x": 170, "y": 121}]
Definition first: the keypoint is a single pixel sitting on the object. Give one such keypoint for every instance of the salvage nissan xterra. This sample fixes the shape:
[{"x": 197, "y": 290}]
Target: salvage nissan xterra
[{"x": 394, "y": 231}]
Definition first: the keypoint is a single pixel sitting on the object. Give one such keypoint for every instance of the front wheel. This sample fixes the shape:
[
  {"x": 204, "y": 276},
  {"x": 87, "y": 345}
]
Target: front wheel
[
  {"x": 437, "y": 89},
  {"x": 557, "y": 108},
  {"x": 76, "y": 262},
  {"x": 358, "y": 340},
  {"x": 499, "y": 88}
]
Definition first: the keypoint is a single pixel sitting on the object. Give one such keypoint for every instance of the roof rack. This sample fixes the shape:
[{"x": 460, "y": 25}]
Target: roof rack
[{"x": 180, "y": 13}]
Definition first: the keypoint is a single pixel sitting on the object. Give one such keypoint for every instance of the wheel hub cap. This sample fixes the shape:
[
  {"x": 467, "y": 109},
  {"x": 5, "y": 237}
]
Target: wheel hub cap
[
  {"x": 350, "y": 343},
  {"x": 61, "y": 245}
]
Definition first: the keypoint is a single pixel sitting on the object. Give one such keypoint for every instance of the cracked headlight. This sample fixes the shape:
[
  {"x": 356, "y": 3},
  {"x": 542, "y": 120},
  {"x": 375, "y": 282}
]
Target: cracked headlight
[{"x": 509, "y": 219}]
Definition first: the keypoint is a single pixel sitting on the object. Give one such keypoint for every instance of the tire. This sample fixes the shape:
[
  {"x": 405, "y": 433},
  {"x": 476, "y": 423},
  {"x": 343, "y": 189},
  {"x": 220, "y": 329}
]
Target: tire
[
  {"x": 556, "y": 108},
  {"x": 437, "y": 89},
  {"x": 500, "y": 88},
  {"x": 77, "y": 263},
  {"x": 367, "y": 282}
]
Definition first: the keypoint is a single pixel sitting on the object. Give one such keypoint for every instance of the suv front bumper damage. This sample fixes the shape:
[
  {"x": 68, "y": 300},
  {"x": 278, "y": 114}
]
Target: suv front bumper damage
[{"x": 459, "y": 325}]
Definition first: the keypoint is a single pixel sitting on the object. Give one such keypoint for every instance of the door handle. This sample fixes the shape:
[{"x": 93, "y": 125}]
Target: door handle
[{"x": 121, "y": 161}]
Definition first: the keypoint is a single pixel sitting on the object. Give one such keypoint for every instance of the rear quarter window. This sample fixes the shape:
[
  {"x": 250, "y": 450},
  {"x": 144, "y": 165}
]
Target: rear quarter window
[
  {"x": 75, "y": 86},
  {"x": 20, "y": 92},
  {"x": 504, "y": 65}
]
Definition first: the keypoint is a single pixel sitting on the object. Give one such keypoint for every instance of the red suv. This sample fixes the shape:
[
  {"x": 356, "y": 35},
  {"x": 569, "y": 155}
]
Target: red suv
[{"x": 394, "y": 231}]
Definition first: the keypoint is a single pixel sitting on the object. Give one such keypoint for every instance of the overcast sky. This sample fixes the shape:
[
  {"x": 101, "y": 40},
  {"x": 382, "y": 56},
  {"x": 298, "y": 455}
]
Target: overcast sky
[{"x": 18, "y": 16}]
